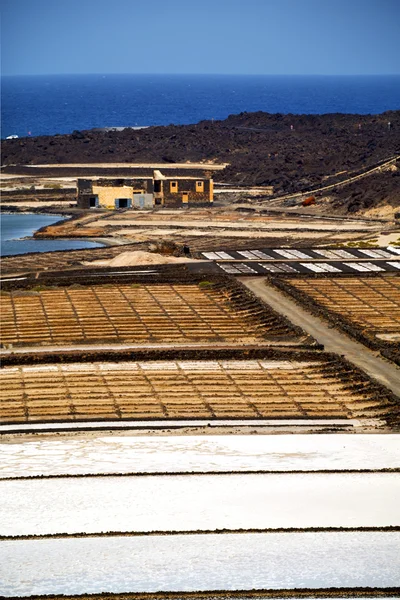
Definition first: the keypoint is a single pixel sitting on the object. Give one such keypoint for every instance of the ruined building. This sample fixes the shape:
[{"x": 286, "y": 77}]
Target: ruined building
[{"x": 145, "y": 192}]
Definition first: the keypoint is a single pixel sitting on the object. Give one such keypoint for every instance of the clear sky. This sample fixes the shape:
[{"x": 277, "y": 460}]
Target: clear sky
[{"x": 329, "y": 37}]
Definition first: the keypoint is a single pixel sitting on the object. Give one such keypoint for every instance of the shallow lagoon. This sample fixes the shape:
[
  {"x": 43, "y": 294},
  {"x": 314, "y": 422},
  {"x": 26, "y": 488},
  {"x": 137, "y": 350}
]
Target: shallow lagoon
[{"x": 14, "y": 227}]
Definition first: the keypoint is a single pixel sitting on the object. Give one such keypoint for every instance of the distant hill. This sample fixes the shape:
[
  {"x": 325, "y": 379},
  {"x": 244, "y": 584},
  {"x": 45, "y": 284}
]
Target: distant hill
[{"x": 290, "y": 152}]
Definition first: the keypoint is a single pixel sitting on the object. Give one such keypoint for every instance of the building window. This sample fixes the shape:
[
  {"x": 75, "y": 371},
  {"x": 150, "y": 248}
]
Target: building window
[
  {"x": 157, "y": 186},
  {"x": 173, "y": 187},
  {"x": 199, "y": 186},
  {"x": 123, "y": 203}
]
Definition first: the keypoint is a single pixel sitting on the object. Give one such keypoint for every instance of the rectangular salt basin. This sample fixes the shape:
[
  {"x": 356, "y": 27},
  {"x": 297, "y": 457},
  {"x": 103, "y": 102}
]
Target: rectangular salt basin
[
  {"x": 199, "y": 563},
  {"x": 198, "y": 502},
  {"x": 88, "y": 453}
]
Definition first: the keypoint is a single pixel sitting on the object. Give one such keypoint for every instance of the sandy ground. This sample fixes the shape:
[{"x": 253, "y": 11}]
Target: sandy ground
[
  {"x": 385, "y": 211},
  {"x": 145, "y": 234},
  {"x": 255, "y": 191},
  {"x": 277, "y": 224},
  {"x": 186, "y": 165},
  {"x": 139, "y": 257},
  {"x": 389, "y": 238}
]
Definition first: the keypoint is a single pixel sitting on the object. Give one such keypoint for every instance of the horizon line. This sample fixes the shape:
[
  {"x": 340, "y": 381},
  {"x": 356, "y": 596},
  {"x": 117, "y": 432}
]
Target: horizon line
[{"x": 103, "y": 74}]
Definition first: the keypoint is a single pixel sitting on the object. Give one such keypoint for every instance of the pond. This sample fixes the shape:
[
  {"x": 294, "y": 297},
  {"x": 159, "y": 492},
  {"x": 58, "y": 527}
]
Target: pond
[{"x": 16, "y": 227}]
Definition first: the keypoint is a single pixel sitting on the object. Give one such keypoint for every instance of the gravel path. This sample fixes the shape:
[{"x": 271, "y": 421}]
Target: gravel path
[{"x": 333, "y": 340}]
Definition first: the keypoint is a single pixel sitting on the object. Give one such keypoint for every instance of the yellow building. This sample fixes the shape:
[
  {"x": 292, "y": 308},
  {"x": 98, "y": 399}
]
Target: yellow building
[{"x": 145, "y": 192}]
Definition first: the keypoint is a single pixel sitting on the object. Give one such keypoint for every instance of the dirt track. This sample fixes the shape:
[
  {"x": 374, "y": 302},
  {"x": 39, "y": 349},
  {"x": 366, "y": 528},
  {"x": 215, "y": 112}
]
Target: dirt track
[
  {"x": 333, "y": 340},
  {"x": 367, "y": 309}
]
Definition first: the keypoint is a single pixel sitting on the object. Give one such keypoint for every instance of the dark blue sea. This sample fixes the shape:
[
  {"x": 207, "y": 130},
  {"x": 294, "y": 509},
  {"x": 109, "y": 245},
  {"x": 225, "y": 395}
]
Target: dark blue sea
[{"x": 46, "y": 105}]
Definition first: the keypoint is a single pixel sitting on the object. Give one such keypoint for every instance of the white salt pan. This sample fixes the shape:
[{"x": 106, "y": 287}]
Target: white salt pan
[
  {"x": 198, "y": 502},
  {"x": 116, "y": 453},
  {"x": 199, "y": 563}
]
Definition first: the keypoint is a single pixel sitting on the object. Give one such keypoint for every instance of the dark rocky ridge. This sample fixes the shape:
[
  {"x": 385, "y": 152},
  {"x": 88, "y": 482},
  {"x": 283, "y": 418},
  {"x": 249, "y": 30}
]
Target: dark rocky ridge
[
  {"x": 376, "y": 189},
  {"x": 261, "y": 148}
]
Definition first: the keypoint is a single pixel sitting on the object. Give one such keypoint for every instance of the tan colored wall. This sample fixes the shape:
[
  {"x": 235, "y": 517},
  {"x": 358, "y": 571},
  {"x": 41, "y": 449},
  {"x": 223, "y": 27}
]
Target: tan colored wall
[
  {"x": 108, "y": 195},
  {"x": 188, "y": 193}
]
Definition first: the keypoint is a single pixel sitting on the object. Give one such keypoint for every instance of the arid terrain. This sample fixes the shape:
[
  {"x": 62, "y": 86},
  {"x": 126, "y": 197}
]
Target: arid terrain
[
  {"x": 292, "y": 153},
  {"x": 211, "y": 400}
]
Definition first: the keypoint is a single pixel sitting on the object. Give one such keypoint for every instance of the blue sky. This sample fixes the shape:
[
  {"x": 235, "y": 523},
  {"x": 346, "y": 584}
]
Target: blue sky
[{"x": 329, "y": 37}]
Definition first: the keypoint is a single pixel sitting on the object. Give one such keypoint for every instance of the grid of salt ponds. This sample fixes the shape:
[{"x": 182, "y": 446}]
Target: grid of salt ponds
[
  {"x": 241, "y": 365},
  {"x": 281, "y": 269},
  {"x": 102, "y": 453},
  {"x": 366, "y": 267},
  {"x": 254, "y": 254},
  {"x": 376, "y": 253},
  {"x": 292, "y": 254},
  {"x": 199, "y": 563},
  {"x": 321, "y": 267},
  {"x": 198, "y": 503},
  {"x": 317, "y": 267},
  {"x": 236, "y": 269},
  {"x": 338, "y": 255},
  {"x": 217, "y": 255},
  {"x": 334, "y": 254}
]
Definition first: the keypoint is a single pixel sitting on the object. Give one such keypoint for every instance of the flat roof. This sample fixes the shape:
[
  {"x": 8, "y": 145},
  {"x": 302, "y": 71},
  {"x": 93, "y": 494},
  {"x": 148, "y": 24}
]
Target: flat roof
[{"x": 145, "y": 177}]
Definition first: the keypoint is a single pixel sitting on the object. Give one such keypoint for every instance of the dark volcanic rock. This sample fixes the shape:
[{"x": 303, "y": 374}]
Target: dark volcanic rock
[
  {"x": 291, "y": 152},
  {"x": 373, "y": 190}
]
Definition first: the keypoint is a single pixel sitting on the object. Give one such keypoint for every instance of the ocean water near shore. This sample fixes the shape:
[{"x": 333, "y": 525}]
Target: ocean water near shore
[
  {"x": 16, "y": 227},
  {"x": 47, "y": 105}
]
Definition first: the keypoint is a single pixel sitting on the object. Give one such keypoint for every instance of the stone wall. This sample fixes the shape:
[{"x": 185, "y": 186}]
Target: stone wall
[{"x": 188, "y": 190}]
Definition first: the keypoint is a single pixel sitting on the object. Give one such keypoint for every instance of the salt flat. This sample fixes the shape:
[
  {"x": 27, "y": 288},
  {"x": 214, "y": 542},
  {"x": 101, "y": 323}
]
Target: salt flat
[
  {"x": 199, "y": 563},
  {"x": 198, "y": 502},
  {"x": 26, "y": 455}
]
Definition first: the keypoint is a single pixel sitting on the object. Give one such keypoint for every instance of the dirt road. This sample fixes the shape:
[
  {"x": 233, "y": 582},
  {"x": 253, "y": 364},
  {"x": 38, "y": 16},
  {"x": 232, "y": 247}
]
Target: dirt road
[
  {"x": 332, "y": 339},
  {"x": 124, "y": 165}
]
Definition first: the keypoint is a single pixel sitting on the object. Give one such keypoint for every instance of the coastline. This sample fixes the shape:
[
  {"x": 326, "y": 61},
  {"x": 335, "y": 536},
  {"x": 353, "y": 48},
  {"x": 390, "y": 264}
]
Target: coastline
[{"x": 61, "y": 218}]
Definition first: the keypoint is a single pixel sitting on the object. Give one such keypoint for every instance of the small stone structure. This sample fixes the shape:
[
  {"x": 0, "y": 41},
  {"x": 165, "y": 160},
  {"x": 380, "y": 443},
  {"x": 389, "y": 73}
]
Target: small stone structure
[{"x": 145, "y": 192}]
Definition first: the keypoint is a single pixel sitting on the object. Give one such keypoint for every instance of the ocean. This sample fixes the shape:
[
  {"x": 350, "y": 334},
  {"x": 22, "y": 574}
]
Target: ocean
[
  {"x": 47, "y": 105},
  {"x": 57, "y": 104}
]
